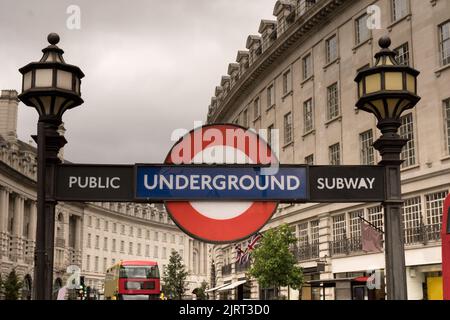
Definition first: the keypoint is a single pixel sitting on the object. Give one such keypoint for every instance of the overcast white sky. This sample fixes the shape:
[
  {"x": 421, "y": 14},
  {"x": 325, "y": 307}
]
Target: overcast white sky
[{"x": 151, "y": 66}]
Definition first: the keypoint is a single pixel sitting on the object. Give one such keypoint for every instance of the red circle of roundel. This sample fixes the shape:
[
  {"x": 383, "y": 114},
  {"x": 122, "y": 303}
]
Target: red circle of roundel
[{"x": 199, "y": 225}]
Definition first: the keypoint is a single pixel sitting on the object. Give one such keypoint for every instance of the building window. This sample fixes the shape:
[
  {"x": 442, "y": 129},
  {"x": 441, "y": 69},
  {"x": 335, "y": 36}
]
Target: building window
[
  {"x": 156, "y": 236},
  {"x": 288, "y": 128},
  {"x": 106, "y": 225},
  {"x": 434, "y": 208},
  {"x": 331, "y": 49},
  {"x": 362, "y": 31},
  {"x": 122, "y": 229},
  {"x": 97, "y": 223},
  {"x": 155, "y": 252},
  {"x": 314, "y": 231},
  {"x": 303, "y": 234},
  {"x": 113, "y": 261},
  {"x": 113, "y": 245},
  {"x": 307, "y": 67},
  {"x": 365, "y": 142},
  {"x": 139, "y": 233},
  {"x": 96, "y": 264},
  {"x": 131, "y": 234},
  {"x": 355, "y": 224},
  {"x": 269, "y": 134},
  {"x": 335, "y": 154},
  {"x": 114, "y": 227},
  {"x": 139, "y": 249},
  {"x": 407, "y": 132},
  {"x": 309, "y": 160},
  {"x": 245, "y": 121},
  {"x": 97, "y": 242},
  {"x": 88, "y": 263},
  {"x": 270, "y": 96},
  {"x": 88, "y": 244},
  {"x": 287, "y": 82},
  {"x": 164, "y": 253},
  {"x": 90, "y": 221},
  {"x": 375, "y": 215},
  {"x": 445, "y": 42},
  {"x": 122, "y": 246},
  {"x": 172, "y": 238},
  {"x": 308, "y": 116},
  {"x": 130, "y": 248},
  {"x": 164, "y": 237},
  {"x": 447, "y": 122},
  {"x": 256, "y": 109},
  {"x": 105, "y": 244},
  {"x": 403, "y": 54},
  {"x": 105, "y": 265},
  {"x": 412, "y": 219},
  {"x": 147, "y": 250},
  {"x": 339, "y": 227},
  {"x": 332, "y": 102},
  {"x": 399, "y": 9}
]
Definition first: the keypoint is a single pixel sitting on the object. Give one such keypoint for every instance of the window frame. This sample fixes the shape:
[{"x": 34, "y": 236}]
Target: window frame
[
  {"x": 444, "y": 60},
  {"x": 308, "y": 124},
  {"x": 393, "y": 11},
  {"x": 336, "y": 107},
  {"x": 358, "y": 39},
  {"x": 328, "y": 57},
  {"x": 307, "y": 68},
  {"x": 288, "y": 127}
]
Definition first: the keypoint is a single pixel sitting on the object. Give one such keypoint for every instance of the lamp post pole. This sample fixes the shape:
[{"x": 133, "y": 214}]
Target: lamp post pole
[
  {"x": 390, "y": 146},
  {"x": 49, "y": 143},
  {"x": 51, "y": 86}
]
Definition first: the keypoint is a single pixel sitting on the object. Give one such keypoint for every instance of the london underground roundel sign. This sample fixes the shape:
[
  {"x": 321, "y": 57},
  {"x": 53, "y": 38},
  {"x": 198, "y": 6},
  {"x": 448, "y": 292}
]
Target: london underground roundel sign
[{"x": 221, "y": 221}]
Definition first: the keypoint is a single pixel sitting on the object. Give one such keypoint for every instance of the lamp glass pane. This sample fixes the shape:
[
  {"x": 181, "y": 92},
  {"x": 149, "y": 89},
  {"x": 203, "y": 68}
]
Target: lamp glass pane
[
  {"x": 27, "y": 80},
  {"x": 411, "y": 83},
  {"x": 77, "y": 85},
  {"x": 394, "y": 80},
  {"x": 64, "y": 80},
  {"x": 373, "y": 83},
  {"x": 379, "y": 105},
  {"x": 44, "y": 78},
  {"x": 392, "y": 103}
]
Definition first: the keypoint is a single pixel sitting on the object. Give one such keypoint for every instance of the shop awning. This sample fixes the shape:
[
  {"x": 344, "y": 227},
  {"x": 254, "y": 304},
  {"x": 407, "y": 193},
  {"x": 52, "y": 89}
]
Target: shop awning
[
  {"x": 232, "y": 285},
  {"x": 218, "y": 287}
]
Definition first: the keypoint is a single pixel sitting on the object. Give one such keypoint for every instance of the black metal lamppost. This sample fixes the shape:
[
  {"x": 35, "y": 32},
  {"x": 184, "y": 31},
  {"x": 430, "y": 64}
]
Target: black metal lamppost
[
  {"x": 387, "y": 90},
  {"x": 51, "y": 86}
]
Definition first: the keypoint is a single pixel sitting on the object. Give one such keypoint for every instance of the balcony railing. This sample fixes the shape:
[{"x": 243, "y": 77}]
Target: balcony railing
[
  {"x": 226, "y": 269},
  {"x": 307, "y": 251},
  {"x": 242, "y": 267},
  {"x": 345, "y": 246},
  {"x": 423, "y": 234}
]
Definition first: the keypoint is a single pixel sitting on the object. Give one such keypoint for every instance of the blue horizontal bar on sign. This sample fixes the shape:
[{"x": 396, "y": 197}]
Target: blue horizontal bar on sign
[{"x": 220, "y": 183}]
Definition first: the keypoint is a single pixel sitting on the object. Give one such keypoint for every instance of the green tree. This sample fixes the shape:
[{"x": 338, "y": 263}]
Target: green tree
[
  {"x": 174, "y": 277},
  {"x": 200, "y": 291},
  {"x": 12, "y": 286},
  {"x": 274, "y": 265}
]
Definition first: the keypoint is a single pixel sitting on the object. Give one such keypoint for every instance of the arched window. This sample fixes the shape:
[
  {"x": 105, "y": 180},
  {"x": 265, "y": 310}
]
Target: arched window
[{"x": 60, "y": 226}]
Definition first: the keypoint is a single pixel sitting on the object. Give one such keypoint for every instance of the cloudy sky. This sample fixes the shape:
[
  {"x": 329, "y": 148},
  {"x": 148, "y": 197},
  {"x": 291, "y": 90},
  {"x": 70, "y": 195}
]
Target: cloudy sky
[{"x": 151, "y": 66}]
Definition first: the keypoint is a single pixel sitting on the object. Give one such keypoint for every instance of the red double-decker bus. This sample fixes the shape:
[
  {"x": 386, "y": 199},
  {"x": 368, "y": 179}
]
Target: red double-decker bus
[
  {"x": 446, "y": 248},
  {"x": 133, "y": 280}
]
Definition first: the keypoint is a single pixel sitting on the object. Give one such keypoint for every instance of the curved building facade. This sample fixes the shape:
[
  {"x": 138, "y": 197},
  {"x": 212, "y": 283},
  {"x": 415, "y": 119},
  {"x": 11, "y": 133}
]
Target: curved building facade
[{"x": 297, "y": 76}]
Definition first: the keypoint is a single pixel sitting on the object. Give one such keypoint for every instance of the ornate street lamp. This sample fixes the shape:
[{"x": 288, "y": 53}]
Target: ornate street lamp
[
  {"x": 387, "y": 90},
  {"x": 51, "y": 86}
]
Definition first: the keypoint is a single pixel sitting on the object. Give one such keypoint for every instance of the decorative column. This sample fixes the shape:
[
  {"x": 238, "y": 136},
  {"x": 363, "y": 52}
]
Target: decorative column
[
  {"x": 78, "y": 240},
  {"x": 4, "y": 211},
  {"x": 32, "y": 230},
  {"x": 19, "y": 202}
]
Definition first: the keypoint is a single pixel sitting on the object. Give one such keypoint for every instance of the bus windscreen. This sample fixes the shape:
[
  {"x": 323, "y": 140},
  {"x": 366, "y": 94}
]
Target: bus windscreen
[{"x": 139, "y": 272}]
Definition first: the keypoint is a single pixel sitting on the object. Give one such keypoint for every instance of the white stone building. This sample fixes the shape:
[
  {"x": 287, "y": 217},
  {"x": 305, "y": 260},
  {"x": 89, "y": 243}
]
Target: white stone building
[
  {"x": 298, "y": 77},
  {"x": 91, "y": 235}
]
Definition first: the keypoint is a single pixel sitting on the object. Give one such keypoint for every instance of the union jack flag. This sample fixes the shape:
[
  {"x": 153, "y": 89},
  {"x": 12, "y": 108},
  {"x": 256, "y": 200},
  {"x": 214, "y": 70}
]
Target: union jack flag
[{"x": 242, "y": 256}]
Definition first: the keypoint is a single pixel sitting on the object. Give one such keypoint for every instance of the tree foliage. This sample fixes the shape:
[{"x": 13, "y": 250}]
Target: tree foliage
[
  {"x": 174, "y": 277},
  {"x": 11, "y": 286},
  {"x": 274, "y": 265},
  {"x": 200, "y": 291}
]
